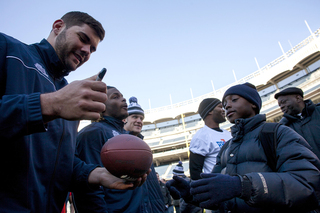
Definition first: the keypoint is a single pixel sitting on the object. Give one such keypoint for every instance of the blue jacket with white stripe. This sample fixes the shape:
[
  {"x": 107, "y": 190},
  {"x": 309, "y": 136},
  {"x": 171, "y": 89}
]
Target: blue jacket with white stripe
[{"x": 37, "y": 160}]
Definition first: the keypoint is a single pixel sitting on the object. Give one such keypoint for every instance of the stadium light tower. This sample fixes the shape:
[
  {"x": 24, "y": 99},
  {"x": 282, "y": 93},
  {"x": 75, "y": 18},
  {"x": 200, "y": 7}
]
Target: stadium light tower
[
  {"x": 234, "y": 75},
  {"x": 191, "y": 95},
  {"x": 285, "y": 55},
  {"x": 313, "y": 35},
  {"x": 257, "y": 64},
  {"x": 291, "y": 46},
  {"x": 309, "y": 29},
  {"x": 213, "y": 87}
]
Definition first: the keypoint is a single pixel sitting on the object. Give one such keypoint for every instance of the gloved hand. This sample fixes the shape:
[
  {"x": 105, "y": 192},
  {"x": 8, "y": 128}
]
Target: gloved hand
[
  {"x": 214, "y": 188},
  {"x": 179, "y": 188}
]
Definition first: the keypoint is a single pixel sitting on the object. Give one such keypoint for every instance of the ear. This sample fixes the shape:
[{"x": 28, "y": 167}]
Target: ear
[
  {"x": 210, "y": 113},
  {"x": 58, "y": 26},
  {"x": 299, "y": 98}
]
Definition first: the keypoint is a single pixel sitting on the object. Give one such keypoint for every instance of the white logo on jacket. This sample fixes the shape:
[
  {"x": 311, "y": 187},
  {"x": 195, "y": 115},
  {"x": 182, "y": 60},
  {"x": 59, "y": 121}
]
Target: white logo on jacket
[
  {"x": 41, "y": 69},
  {"x": 115, "y": 133}
]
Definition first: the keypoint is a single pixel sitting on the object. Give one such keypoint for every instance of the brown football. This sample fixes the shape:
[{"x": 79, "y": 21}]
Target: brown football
[{"x": 126, "y": 156}]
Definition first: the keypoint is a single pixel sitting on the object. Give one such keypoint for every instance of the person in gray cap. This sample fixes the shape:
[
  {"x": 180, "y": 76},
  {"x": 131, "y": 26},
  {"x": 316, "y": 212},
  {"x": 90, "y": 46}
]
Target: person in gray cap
[
  {"x": 301, "y": 115},
  {"x": 206, "y": 143}
]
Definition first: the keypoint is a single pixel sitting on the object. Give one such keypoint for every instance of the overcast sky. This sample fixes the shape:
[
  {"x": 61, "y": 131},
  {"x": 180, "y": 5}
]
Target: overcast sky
[{"x": 154, "y": 49}]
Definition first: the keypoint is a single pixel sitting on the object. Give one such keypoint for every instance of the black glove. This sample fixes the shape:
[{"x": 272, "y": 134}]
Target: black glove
[
  {"x": 179, "y": 188},
  {"x": 214, "y": 188}
]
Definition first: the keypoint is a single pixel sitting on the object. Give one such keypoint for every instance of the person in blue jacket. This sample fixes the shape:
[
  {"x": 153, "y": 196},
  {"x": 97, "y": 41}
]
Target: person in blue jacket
[
  {"x": 152, "y": 195},
  {"x": 39, "y": 113},
  {"x": 242, "y": 180},
  {"x": 89, "y": 143}
]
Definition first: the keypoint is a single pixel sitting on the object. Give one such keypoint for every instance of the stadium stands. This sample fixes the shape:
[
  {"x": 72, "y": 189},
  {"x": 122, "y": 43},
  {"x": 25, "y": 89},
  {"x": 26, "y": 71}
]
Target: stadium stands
[
  {"x": 168, "y": 130},
  {"x": 299, "y": 67}
]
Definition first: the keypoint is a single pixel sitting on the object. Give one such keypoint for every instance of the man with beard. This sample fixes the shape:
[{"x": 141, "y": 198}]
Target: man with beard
[
  {"x": 301, "y": 115},
  {"x": 207, "y": 142},
  {"x": 39, "y": 113},
  {"x": 89, "y": 144}
]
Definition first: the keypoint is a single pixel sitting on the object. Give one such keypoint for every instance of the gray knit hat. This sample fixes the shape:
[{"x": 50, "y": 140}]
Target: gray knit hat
[
  {"x": 178, "y": 170},
  {"x": 207, "y": 105},
  {"x": 134, "y": 107}
]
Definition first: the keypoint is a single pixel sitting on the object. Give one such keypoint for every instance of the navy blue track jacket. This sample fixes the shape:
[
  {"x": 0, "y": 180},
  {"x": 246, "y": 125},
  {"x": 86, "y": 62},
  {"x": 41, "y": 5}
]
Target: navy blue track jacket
[
  {"x": 144, "y": 199},
  {"x": 37, "y": 160}
]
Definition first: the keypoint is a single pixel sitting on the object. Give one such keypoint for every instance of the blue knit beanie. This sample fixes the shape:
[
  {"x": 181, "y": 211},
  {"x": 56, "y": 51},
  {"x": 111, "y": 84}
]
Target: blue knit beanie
[{"x": 247, "y": 91}]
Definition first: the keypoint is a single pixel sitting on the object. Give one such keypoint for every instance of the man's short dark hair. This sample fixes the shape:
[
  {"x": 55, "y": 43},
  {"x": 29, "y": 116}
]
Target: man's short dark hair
[
  {"x": 110, "y": 87},
  {"x": 76, "y": 18}
]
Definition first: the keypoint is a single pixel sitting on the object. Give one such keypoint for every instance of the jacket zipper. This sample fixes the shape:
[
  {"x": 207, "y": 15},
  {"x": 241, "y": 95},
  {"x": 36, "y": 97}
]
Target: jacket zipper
[{"x": 51, "y": 184}]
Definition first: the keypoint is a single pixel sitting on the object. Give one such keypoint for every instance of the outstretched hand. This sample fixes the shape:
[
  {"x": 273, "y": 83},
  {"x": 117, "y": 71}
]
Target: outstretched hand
[
  {"x": 179, "y": 188},
  {"x": 103, "y": 177},
  {"x": 141, "y": 180},
  {"x": 78, "y": 100},
  {"x": 214, "y": 188}
]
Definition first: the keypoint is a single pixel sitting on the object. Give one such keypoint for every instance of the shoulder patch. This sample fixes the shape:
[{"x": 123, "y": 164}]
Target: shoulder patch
[
  {"x": 41, "y": 69},
  {"x": 115, "y": 133}
]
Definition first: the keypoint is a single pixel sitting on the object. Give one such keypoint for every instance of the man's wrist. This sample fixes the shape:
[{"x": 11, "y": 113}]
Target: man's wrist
[
  {"x": 94, "y": 176},
  {"x": 47, "y": 107}
]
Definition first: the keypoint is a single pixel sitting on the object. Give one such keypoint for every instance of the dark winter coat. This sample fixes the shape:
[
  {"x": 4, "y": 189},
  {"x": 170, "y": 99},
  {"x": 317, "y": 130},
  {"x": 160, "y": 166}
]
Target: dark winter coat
[
  {"x": 37, "y": 160},
  {"x": 144, "y": 199},
  {"x": 295, "y": 185},
  {"x": 165, "y": 193},
  {"x": 308, "y": 125},
  {"x": 152, "y": 192}
]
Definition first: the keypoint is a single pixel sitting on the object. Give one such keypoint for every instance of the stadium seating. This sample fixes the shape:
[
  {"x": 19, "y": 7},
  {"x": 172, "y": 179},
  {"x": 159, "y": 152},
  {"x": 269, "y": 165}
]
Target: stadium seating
[{"x": 174, "y": 146}]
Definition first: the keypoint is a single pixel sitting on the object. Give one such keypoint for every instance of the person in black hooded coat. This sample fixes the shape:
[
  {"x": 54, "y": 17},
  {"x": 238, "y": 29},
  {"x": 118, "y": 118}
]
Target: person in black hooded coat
[{"x": 242, "y": 180}]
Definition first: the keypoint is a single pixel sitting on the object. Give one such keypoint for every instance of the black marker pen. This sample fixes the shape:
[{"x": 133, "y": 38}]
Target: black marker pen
[{"x": 101, "y": 74}]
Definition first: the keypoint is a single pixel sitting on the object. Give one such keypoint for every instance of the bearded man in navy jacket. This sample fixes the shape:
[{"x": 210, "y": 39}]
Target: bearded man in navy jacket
[{"x": 39, "y": 113}]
